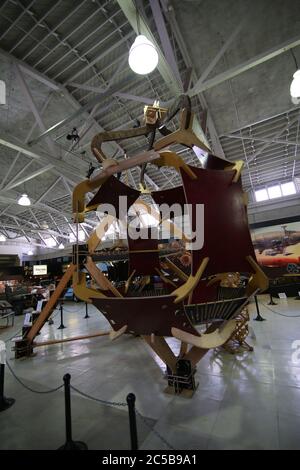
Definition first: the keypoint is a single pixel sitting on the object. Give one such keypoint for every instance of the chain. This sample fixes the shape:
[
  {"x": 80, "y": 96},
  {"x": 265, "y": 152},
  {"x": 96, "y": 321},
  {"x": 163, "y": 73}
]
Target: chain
[
  {"x": 143, "y": 419},
  {"x": 86, "y": 395},
  {"x": 278, "y": 313},
  {"x": 27, "y": 386},
  {"x": 104, "y": 402},
  {"x": 111, "y": 403}
]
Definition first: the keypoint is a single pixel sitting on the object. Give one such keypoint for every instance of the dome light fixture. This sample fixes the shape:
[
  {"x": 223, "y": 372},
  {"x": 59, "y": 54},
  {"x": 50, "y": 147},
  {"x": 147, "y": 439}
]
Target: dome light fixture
[
  {"x": 61, "y": 246},
  {"x": 30, "y": 253},
  {"x": 143, "y": 56},
  {"x": 2, "y": 237},
  {"x": 295, "y": 85},
  {"x": 24, "y": 200}
]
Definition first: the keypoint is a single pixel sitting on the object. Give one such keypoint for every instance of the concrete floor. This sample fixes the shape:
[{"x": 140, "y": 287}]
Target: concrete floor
[{"x": 247, "y": 401}]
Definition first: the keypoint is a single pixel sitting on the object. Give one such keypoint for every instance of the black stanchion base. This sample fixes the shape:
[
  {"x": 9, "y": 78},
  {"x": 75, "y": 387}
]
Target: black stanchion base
[
  {"x": 74, "y": 445},
  {"x": 272, "y": 302},
  {"x": 50, "y": 321},
  {"x": 259, "y": 318},
  {"x": 61, "y": 327},
  {"x": 86, "y": 316},
  {"x": 6, "y": 403}
]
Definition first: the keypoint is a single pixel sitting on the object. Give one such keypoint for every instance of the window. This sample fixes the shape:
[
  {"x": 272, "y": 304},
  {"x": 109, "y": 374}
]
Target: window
[
  {"x": 274, "y": 191},
  {"x": 261, "y": 195},
  {"x": 288, "y": 188}
]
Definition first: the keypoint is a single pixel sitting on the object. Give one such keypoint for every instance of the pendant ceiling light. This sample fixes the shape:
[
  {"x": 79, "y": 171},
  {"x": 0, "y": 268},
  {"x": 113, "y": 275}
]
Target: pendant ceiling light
[
  {"x": 2, "y": 237},
  {"x": 30, "y": 253},
  {"x": 24, "y": 200},
  {"x": 143, "y": 56},
  {"x": 61, "y": 246},
  {"x": 295, "y": 85}
]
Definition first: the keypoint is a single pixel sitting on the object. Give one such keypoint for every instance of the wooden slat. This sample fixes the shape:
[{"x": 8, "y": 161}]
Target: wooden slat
[
  {"x": 74, "y": 338},
  {"x": 163, "y": 350},
  {"x": 47, "y": 310},
  {"x": 99, "y": 277}
]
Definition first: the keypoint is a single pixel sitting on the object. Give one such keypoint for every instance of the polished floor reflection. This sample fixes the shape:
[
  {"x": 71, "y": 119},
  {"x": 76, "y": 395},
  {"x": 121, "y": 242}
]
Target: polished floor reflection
[{"x": 247, "y": 401}]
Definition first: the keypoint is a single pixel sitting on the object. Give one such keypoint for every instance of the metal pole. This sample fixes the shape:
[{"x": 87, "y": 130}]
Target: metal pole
[
  {"x": 86, "y": 311},
  {"x": 271, "y": 298},
  {"x": 67, "y": 379},
  {"x": 258, "y": 317},
  {"x": 132, "y": 421},
  {"x": 70, "y": 444},
  {"x": 61, "y": 326},
  {"x": 4, "y": 402}
]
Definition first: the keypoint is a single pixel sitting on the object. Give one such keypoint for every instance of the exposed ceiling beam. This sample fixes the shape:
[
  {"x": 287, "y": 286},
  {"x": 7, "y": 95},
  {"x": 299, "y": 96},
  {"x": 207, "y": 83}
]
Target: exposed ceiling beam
[
  {"x": 165, "y": 39},
  {"x": 52, "y": 31},
  {"x": 220, "y": 54},
  {"x": 16, "y": 20},
  {"x": 25, "y": 89},
  {"x": 29, "y": 31},
  {"x": 51, "y": 187},
  {"x": 134, "y": 17},
  {"x": 34, "y": 230},
  {"x": 59, "y": 166},
  {"x": 110, "y": 146},
  {"x": 216, "y": 144},
  {"x": 27, "y": 178},
  {"x": 72, "y": 31},
  {"x": 247, "y": 65},
  {"x": 258, "y": 139},
  {"x": 291, "y": 123},
  {"x": 82, "y": 109},
  {"x": 126, "y": 96},
  {"x": 52, "y": 84},
  {"x": 39, "y": 206}
]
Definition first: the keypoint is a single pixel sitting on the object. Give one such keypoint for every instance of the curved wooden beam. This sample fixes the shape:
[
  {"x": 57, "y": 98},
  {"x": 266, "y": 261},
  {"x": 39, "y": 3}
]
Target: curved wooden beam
[{"x": 209, "y": 340}]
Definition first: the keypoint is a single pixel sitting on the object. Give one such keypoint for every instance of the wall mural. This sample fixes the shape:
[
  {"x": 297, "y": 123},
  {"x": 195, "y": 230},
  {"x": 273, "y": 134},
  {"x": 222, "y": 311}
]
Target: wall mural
[{"x": 277, "y": 248}]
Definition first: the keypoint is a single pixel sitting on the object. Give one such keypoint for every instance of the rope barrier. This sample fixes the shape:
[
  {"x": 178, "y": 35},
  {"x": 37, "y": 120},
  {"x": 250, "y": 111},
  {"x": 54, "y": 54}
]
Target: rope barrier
[
  {"x": 278, "y": 313},
  {"x": 27, "y": 387},
  {"x": 104, "y": 402},
  {"x": 143, "y": 419},
  {"x": 86, "y": 395}
]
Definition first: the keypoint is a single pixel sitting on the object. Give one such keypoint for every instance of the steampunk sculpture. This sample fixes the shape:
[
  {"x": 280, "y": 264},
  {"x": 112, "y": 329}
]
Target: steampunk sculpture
[{"x": 194, "y": 308}]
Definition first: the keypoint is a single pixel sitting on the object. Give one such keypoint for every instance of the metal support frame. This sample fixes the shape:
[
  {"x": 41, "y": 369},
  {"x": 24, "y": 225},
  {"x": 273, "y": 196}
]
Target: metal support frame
[
  {"x": 247, "y": 65},
  {"x": 165, "y": 39},
  {"x": 216, "y": 144},
  {"x": 27, "y": 178},
  {"x": 32, "y": 105}
]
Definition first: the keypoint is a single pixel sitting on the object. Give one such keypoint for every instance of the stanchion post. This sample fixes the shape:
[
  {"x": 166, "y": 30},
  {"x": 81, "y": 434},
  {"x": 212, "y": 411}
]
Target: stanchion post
[
  {"x": 4, "y": 402},
  {"x": 258, "y": 317},
  {"x": 86, "y": 311},
  {"x": 70, "y": 444},
  {"x": 271, "y": 299},
  {"x": 132, "y": 421},
  {"x": 61, "y": 326}
]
